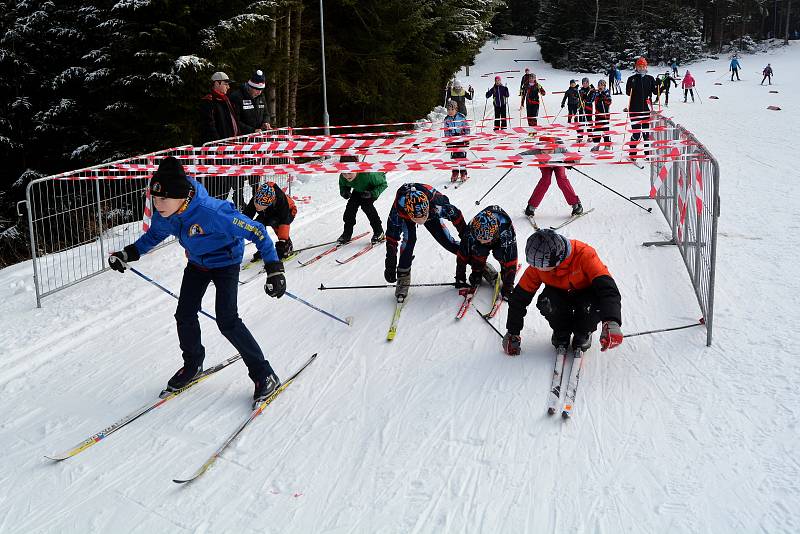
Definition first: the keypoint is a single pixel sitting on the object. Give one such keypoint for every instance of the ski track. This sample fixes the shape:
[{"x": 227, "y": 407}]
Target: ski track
[{"x": 438, "y": 431}]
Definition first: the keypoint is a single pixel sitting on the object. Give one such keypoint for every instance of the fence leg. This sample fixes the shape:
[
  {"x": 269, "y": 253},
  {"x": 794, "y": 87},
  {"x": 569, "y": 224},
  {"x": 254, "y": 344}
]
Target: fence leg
[
  {"x": 100, "y": 221},
  {"x": 34, "y": 259}
]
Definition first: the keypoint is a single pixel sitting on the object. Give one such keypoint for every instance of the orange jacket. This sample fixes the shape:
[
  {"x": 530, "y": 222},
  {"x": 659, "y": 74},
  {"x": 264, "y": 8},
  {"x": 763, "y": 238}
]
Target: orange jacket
[
  {"x": 576, "y": 272},
  {"x": 582, "y": 270}
]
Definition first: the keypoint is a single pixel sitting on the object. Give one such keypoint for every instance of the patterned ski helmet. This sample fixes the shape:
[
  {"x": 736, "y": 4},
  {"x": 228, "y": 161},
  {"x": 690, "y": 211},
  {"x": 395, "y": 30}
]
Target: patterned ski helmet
[
  {"x": 545, "y": 248},
  {"x": 265, "y": 195},
  {"x": 452, "y": 104},
  {"x": 416, "y": 204},
  {"x": 485, "y": 226}
]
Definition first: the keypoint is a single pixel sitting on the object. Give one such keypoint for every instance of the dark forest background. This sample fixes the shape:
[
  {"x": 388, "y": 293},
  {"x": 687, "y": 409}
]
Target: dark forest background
[{"x": 88, "y": 81}]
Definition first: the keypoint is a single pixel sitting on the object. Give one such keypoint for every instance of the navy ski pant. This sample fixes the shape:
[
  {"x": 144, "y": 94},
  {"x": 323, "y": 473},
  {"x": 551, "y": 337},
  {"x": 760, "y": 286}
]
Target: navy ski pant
[{"x": 193, "y": 287}]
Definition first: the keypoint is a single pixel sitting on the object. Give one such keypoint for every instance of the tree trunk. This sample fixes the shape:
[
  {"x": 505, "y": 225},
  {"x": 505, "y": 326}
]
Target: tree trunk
[
  {"x": 295, "y": 66},
  {"x": 788, "y": 18},
  {"x": 273, "y": 93},
  {"x": 596, "y": 16},
  {"x": 287, "y": 43}
]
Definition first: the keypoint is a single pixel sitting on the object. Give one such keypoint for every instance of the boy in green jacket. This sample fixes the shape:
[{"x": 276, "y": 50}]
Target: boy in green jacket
[{"x": 361, "y": 190}]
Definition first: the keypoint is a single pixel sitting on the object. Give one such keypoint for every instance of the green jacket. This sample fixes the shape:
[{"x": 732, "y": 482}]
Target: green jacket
[{"x": 374, "y": 182}]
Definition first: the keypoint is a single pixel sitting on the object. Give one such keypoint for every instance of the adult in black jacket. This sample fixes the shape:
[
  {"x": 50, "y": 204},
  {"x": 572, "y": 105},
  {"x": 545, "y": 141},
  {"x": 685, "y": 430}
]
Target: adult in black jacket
[
  {"x": 640, "y": 88},
  {"x": 218, "y": 118},
  {"x": 251, "y": 105}
]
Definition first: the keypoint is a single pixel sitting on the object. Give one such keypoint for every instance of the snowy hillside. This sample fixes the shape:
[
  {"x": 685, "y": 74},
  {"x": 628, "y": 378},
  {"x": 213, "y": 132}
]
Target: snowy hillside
[{"x": 438, "y": 431}]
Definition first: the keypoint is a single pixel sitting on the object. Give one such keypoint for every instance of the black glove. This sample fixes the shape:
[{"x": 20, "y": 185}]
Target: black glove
[
  {"x": 511, "y": 344},
  {"x": 283, "y": 248},
  {"x": 366, "y": 195},
  {"x": 275, "y": 286},
  {"x": 562, "y": 106},
  {"x": 345, "y": 193},
  {"x": 390, "y": 271},
  {"x": 118, "y": 260},
  {"x": 475, "y": 278}
]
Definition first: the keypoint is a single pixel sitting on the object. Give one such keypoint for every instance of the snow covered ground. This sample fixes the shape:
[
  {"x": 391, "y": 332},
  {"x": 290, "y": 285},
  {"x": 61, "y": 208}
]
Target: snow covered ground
[{"x": 438, "y": 431}]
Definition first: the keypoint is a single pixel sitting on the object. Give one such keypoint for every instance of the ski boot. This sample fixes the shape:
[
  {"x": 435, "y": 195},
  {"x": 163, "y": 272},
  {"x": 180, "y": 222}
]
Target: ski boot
[
  {"x": 403, "y": 281},
  {"x": 560, "y": 339},
  {"x": 530, "y": 211},
  {"x": 344, "y": 238},
  {"x": 463, "y": 175},
  {"x": 377, "y": 238},
  {"x": 577, "y": 209},
  {"x": 582, "y": 341},
  {"x": 183, "y": 377},
  {"x": 454, "y": 176},
  {"x": 264, "y": 388}
]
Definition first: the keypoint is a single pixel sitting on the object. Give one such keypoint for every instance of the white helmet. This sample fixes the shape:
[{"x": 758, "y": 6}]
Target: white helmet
[{"x": 457, "y": 84}]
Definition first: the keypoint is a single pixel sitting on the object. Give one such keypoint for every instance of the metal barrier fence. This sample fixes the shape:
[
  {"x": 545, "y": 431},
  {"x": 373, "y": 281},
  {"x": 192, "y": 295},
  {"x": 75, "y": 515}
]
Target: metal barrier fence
[
  {"x": 687, "y": 192},
  {"x": 239, "y": 189},
  {"x": 77, "y": 218}
]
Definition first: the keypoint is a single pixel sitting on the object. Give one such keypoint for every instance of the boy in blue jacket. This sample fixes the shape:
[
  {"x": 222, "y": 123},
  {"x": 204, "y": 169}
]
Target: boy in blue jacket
[{"x": 212, "y": 232}]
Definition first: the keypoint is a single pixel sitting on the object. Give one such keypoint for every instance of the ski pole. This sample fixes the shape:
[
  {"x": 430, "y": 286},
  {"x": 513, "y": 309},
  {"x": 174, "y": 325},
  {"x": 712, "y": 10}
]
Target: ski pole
[
  {"x": 544, "y": 108},
  {"x": 698, "y": 95},
  {"x": 700, "y": 322},
  {"x": 348, "y": 321},
  {"x": 648, "y": 210},
  {"x": 298, "y": 250},
  {"x": 323, "y": 287},
  {"x": 483, "y": 119},
  {"x": 477, "y": 202},
  {"x": 164, "y": 289},
  {"x": 488, "y": 322}
]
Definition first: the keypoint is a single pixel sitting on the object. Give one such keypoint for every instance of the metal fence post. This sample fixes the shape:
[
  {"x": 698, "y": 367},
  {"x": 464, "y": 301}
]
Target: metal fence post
[
  {"x": 33, "y": 245},
  {"x": 99, "y": 218}
]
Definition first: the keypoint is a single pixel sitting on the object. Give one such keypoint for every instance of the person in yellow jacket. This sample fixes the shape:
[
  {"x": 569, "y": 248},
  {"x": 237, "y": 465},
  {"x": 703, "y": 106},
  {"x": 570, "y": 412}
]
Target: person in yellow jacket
[{"x": 578, "y": 293}]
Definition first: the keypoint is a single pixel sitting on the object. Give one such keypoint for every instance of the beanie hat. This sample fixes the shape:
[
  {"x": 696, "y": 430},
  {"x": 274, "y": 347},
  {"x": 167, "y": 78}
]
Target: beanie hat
[
  {"x": 545, "y": 248},
  {"x": 641, "y": 63},
  {"x": 348, "y": 158},
  {"x": 169, "y": 181},
  {"x": 497, "y": 78},
  {"x": 457, "y": 84},
  {"x": 256, "y": 81}
]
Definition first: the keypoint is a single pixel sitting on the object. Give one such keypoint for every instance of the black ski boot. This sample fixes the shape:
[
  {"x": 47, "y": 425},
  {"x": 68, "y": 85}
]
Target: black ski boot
[
  {"x": 183, "y": 377},
  {"x": 560, "y": 339},
  {"x": 377, "y": 238},
  {"x": 530, "y": 211},
  {"x": 577, "y": 209},
  {"x": 345, "y": 238},
  {"x": 264, "y": 388},
  {"x": 582, "y": 341}
]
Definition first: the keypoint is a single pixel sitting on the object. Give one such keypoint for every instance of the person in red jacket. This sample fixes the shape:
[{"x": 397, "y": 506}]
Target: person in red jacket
[
  {"x": 578, "y": 293},
  {"x": 687, "y": 84}
]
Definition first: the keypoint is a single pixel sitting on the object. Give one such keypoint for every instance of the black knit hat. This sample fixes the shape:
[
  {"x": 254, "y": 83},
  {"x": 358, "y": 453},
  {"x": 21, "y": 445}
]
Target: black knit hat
[
  {"x": 169, "y": 181},
  {"x": 545, "y": 248}
]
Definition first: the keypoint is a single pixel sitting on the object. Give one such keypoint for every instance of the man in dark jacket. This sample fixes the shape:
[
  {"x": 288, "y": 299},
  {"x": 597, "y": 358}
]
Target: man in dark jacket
[
  {"x": 218, "y": 118},
  {"x": 640, "y": 88},
  {"x": 251, "y": 105}
]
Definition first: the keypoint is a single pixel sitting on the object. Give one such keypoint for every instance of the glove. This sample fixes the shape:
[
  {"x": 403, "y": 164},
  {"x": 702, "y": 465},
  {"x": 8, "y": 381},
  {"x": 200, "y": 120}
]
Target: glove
[
  {"x": 475, "y": 278},
  {"x": 610, "y": 335},
  {"x": 390, "y": 271},
  {"x": 562, "y": 106},
  {"x": 366, "y": 195},
  {"x": 345, "y": 193},
  {"x": 283, "y": 248},
  {"x": 119, "y": 259},
  {"x": 275, "y": 286},
  {"x": 625, "y": 110},
  {"x": 511, "y": 344}
]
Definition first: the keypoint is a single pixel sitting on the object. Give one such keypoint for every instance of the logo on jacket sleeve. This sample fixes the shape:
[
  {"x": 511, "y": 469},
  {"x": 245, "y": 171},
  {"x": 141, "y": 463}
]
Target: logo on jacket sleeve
[{"x": 195, "y": 229}]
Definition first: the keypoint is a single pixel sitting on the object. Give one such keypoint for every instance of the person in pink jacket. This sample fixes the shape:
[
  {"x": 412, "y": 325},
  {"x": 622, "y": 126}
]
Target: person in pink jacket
[{"x": 687, "y": 84}]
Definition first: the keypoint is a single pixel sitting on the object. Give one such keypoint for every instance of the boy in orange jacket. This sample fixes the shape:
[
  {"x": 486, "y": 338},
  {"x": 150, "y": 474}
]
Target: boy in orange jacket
[{"x": 579, "y": 292}]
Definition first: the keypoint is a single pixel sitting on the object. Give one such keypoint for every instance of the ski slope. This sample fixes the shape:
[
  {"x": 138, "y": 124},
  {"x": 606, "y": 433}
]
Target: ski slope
[{"x": 438, "y": 431}]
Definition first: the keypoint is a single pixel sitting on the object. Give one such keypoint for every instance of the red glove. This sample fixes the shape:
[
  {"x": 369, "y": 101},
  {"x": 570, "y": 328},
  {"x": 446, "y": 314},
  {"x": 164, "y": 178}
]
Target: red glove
[{"x": 610, "y": 335}]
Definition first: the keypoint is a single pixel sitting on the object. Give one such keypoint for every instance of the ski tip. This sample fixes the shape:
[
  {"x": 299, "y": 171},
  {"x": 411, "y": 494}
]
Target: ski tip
[
  {"x": 322, "y": 287},
  {"x": 180, "y": 481},
  {"x": 56, "y": 458}
]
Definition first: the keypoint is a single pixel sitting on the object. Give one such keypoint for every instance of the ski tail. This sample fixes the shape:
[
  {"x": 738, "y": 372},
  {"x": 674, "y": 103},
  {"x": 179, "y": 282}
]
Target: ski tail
[{"x": 255, "y": 413}]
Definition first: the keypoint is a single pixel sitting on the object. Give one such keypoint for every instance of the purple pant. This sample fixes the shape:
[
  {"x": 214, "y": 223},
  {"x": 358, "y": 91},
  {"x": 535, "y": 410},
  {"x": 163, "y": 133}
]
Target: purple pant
[{"x": 544, "y": 184}]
